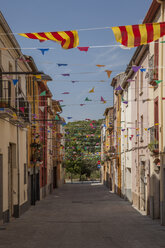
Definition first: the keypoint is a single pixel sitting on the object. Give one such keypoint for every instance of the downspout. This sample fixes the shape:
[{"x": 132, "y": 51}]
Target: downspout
[
  {"x": 18, "y": 210},
  {"x": 162, "y": 169}
]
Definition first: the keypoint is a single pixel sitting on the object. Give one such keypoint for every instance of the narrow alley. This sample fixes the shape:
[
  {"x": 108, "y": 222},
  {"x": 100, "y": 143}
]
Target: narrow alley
[{"x": 82, "y": 215}]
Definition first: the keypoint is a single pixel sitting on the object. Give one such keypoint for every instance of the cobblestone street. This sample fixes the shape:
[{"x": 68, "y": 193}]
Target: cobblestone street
[{"x": 82, "y": 215}]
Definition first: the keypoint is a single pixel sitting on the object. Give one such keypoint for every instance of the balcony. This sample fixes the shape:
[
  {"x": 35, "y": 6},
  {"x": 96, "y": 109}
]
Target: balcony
[
  {"x": 9, "y": 110},
  {"x": 153, "y": 146}
]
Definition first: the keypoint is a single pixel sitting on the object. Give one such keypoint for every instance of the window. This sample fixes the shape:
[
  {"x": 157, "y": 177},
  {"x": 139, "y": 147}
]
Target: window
[
  {"x": 156, "y": 119},
  {"x": 9, "y": 92},
  {"x": 156, "y": 59},
  {"x": 118, "y": 102}
]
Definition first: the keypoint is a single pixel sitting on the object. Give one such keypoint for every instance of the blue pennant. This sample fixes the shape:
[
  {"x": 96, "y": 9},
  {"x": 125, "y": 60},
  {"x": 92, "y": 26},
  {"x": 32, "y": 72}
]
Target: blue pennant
[{"x": 43, "y": 50}]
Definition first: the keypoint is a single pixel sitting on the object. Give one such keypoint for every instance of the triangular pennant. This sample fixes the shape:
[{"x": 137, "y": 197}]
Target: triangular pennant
[
  {"x": 87, "y": 99},
  {"x": 158, "y": 81},
  {"x": 62, "y": 64},
  {"x": 65, "y": 93},
  {"x": 43, "y": 93},
  {"x": 15, "y": 81},
  {"x": 22, "y": 109},
  {"x": 65, "y": 74},
  {"x": 57, "y": 118},
  {"x": 42, "y": 108},
  {"x": 74, "y": 81},
  {"x": 108, "y": 73},
  {"x": 84, "y": 49},
  {"x": 38, "y": 76},
  {"x": 92, "y": 90},
  {"x": 142, "y": 69},
  {"x": 43, "y": 50},
  {"x": 102, "y": 100},
  {"x": 136, "y": 68},
  {"x": 119, "y": 88},
  {"x": 100, "y": 65},
  {"x": 130, "y": 80}
]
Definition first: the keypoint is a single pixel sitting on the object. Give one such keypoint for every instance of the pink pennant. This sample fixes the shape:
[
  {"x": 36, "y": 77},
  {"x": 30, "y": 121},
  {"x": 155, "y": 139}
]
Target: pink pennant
[
  {"x": 22, "y": 109},
  {"x": 85, "y": 49}
]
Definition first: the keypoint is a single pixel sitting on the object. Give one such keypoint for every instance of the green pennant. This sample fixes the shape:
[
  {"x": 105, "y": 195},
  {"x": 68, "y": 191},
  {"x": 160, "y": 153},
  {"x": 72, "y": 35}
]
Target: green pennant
[
  {"x": 43, "y": 93},
  {"x": 57, "y": 118},
  {"x": 87, "y": 99},
  {"x": 158, "y": 81}
]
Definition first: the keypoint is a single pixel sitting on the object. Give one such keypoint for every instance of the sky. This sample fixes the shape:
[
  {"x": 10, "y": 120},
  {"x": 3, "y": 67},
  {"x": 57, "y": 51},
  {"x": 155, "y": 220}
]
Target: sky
[{"x": 27, "y": 16}]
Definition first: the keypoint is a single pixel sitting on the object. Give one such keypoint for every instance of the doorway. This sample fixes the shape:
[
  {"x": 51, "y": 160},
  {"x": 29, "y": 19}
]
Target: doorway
[
  {"x": 10, "y": 181},
  {"x": 1, "y": 186},
  {"x": 54, "y": 177}
]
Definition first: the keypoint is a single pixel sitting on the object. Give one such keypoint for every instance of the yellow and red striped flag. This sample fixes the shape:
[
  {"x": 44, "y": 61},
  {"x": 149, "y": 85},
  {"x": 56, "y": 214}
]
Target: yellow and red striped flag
[
  {"x": 136, "y": 35},
  {"x": 67, "y": 39}
]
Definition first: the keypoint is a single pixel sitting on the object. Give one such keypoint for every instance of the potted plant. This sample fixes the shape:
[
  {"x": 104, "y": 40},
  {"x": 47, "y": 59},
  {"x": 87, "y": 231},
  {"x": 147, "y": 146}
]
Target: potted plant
[{"x": 153, "y": 146}]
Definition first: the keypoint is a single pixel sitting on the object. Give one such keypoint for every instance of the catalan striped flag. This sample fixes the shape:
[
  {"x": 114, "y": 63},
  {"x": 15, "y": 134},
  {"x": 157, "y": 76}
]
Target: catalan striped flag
[
  {"x": 67, "y": 39},
  {"x": 136, "y": 35}
]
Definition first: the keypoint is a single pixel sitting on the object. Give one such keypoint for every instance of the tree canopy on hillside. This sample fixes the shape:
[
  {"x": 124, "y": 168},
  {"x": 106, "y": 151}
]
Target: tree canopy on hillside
[{"x": 82, "y": 146}]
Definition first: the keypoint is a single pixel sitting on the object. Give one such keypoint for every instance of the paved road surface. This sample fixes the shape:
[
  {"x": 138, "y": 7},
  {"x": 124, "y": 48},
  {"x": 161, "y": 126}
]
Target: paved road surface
[{"x": 82, "y": 216}]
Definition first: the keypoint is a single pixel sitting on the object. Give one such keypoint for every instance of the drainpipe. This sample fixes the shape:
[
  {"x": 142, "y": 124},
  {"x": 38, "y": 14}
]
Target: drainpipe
[
  {"x": 17, "y": 214},
  {"x": 162, "y": 166},
  {"x": 34, "y": 130}
]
